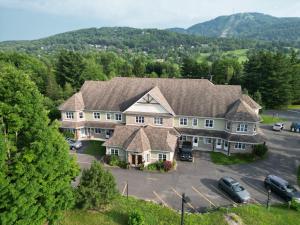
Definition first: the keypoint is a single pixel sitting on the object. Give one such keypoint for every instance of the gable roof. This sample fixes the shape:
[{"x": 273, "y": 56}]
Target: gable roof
[
  {"x": 253, "y": 104},
  {"x": 190, "y": 97},
  {"x": 241, "y": 111},
  {"x": 139, "y": 139},
  {"x": 75, "y": 102}
]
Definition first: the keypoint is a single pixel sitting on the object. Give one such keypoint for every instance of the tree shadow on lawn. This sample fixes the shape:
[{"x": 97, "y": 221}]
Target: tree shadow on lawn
[{"x": 118, "y": 217}]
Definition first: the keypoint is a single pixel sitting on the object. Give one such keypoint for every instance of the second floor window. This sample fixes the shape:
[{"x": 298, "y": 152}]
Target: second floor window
[
  {"x": 195, "y": 122},
  {"x": 80, "y": 115},
  {"x": 209, "y": 123},
  {"x": 70, "y": 115},
  {"x": 118, "y": 116},
  {"x": 158, "y": 120},
  {"x": 183, "y": 121},
  {"x": 96, "y": 115},
  {"x": 108, "y": 116},
  {"x": 228, "y": 125},
  {"x": 139, "y": 119},
  {"x": 242, "y": 127}
]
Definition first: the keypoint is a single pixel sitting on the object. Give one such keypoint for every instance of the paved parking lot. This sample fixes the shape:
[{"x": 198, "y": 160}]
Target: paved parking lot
[{"x": 198, "y": 180}]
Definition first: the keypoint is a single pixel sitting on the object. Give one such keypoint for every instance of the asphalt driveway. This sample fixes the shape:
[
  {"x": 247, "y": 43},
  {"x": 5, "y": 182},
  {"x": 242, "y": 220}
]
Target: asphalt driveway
[{"x": 199, "y": 179}]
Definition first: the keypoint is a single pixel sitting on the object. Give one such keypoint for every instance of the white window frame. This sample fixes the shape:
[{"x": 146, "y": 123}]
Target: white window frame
[
  {"x": 183, "y": 121},
  {"x": 108, "y": 116},
  {"x": 70, "y": 115},
  {"x": 162, "y": 157},
  {"x": 140, "y": 119},
  {"x": 182, "y": 138},
  {"x": 228, "y": 125},
  {"x": 148, "y": 157},
  {"x": 240, "y": 146},
  {"x": 97, "y": 130},
  {"x": 118, "y": 116},
  {"x": 209, "y": 123},
  {"x": 205, "y": 140},
  {"x": 242, "y": 127},
  {"x": 97, "y": 115},
  {"x": 81, "y": 115},
  {"x": 195, "y": 122},
  {"x": 114, "y": 151},
  {"x": 158, "y": 121}
]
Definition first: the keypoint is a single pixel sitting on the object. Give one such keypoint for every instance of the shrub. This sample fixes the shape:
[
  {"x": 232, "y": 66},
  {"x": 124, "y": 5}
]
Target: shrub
[
  {"x": 167, "y": 165},
  {"x": 123, "y": 164},
  {"x": 260, "y": 150},
  {"x": 135, "y": 218},
  {"x": 152, "y": 167},
  {"x": 114, "y": 160},
  {"x": 159, "y": 165},
  {"x": 96, "y": 189},
  {"x": 106, "y": 159},
  {"x": 295, "y": 205}
]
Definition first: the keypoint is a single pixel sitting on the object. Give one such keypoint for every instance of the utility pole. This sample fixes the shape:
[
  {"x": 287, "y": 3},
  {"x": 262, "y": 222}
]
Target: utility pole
[
  {"x": 269, "y": 198},
  {"x": 184, "y": 199},
  {"x": 127, "y": 189}
]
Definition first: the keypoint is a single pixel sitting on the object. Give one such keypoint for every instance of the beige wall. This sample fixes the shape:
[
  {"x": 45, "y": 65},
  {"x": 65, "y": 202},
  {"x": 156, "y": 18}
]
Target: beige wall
[
  {"x": 219, "y": 124},
  {"x": 76, "y": 116},
  {"x": 234, "y": 126},
  {"x": 149, "y": 120}
]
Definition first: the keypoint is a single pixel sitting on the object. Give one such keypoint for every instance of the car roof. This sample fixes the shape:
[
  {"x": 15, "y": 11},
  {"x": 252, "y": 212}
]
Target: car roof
[
  {"x": 278, "y": 179},
  {"x": 278, "y": 124},
  {"x": 230, "y": 180}
]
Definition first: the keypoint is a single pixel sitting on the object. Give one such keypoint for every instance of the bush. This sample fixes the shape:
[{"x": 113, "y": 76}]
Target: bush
[
  {"x": 167, "y": 165},
  {"x": 260, "y": 150},
  {"x": 135, "y": 218},
  {"x": 123, "y": 164},
  {"x": 295, "y": 205},
  {"x": 114, "y": 160},
  {"x": 152, "y": 167},
  {"x": 96, "y": 189}
]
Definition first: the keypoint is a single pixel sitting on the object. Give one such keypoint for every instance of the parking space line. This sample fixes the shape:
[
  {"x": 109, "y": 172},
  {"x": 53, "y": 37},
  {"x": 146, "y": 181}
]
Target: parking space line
[
  {"x": 203, "y": 196},
  {"x": 189, "y": 204},
  {"x": 124, "y": 189},
  {"x": 160, "y": 199},
  {"x": 223, "y": 195}
]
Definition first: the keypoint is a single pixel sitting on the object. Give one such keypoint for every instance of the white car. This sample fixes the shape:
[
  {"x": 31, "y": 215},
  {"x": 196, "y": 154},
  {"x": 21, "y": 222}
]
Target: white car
[
  {"x": 74, "y": 144},
  {"x": 278, "y": 126}
]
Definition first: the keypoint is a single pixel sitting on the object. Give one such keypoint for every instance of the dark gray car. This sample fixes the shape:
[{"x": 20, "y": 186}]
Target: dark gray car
[
  {"x": 282, "y": 188},
  {"x": 234, "y": 189},
  {"x": 185, "y": 152}
]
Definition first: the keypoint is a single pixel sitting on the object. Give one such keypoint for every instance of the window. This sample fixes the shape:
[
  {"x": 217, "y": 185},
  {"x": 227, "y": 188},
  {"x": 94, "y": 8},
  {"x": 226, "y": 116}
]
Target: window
[
  {"x": 254, "y": 128},
  {"x": 80, "y": 115},
  {"x": 158, "y": 120},
  {"x": 139, "y": 119},
  {"x": 108, "y": 116},
  {"x": 242, "y": 127},
  {"x": 207, "y": 141},
  {"x": 183, "y": 121},
  {"x": 96, "y": 115},
  {"x": 162, "y": 157},
  {"x": 239, "y": 145},
  {"x": 118, "y": 116},
  {"x": 70, "y": 115},
  {"x": 114, "y": 151},
  {"x": 209, "y": 123},
  {"x": 182, "y": 138},
  {"x": 195, "y": 122},
  {"x": 97, "y": 130},
  {"x": 195, "y": 140},
  {"x": 228, "y": 125},
  {"x": 148, "y": 157}
]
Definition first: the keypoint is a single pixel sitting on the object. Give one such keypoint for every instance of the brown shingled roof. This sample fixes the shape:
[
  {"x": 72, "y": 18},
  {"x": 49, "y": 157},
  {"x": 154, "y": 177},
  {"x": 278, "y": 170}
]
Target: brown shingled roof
[
  {"x": 253, "y": 104},
  {"x": 139, "y": 139},
  {"x": 241, "y": 111},
  {"x": 75, "y": 102},
  {"x": 190, "y": 97}
]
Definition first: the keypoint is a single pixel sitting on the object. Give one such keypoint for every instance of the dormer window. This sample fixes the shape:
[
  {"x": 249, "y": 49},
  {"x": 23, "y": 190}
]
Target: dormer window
[
  {"x": 139, "y": 119},
  {"x": 69, "y": 115},
  {"x": 97, "y": 115},
  {"x": 195, "y": 122},
  {"x": 158, "y": 120}
]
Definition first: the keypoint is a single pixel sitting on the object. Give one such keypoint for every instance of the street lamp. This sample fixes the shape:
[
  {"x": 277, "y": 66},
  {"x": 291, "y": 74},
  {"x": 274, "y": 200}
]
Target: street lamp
[{"x": 184, "y": 199}]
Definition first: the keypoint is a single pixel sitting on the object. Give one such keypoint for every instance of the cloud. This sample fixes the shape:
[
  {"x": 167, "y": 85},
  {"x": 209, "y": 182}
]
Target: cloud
[{"x": 153, "y": 13}]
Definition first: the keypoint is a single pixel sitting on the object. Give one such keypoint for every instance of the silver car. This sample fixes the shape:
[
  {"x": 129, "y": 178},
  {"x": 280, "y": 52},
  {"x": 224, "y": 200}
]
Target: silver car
[
  {"x": 237, "y": 192},
  {"x": 74, "y": 144},
  {"x": 278, "y": 126}
]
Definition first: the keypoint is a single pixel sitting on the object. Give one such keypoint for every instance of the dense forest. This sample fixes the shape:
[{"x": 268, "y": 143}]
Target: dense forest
[{"x": 271, "y": 78}]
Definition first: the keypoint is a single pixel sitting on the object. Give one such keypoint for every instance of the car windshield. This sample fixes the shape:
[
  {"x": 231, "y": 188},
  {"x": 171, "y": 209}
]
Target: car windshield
[
  {"x": 277, "y": 125},
  {"x": 237, "y": 188},
  {"x": 290, "y": 188}
]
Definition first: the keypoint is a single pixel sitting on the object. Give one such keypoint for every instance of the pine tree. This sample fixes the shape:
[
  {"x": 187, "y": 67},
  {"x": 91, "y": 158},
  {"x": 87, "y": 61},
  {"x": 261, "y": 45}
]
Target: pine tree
[{"x": 36, "y": 169}]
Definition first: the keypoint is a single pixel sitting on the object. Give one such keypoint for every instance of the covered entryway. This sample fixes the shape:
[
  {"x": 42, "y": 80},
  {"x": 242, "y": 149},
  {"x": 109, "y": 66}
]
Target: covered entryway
[{"x": 135, "y": 159}]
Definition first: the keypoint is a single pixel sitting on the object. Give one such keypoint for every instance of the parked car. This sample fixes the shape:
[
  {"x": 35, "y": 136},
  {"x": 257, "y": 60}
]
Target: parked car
[
  {"x": 74, "y": 144},
  {"x": 185, "y": 152},
  {"x": 232, "y": 187},
  {"x": 282, "y": 188},
  {"x": 278, "y": 126},
  {"x": 295, "y": 127}
]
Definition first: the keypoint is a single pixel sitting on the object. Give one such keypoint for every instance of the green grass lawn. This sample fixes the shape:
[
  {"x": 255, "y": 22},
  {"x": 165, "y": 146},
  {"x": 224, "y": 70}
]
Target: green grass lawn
[
  {"x": 294, "y": 107},
  {"x": 267, "y": 119},
  {"x": 222, "y": 159},
  {"x": 95, "y": 148},
  {"x": 155, "y": 214}
]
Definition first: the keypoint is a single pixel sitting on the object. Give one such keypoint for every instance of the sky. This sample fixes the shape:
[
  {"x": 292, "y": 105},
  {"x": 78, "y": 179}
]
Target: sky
[{"x": 33, "y": 19}]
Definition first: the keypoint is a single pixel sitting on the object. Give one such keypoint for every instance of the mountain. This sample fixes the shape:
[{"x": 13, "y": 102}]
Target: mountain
[{"x": 248, "y": 25}]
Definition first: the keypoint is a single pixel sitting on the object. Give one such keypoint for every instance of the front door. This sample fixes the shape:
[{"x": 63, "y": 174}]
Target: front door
[
  {"x": 133, "y": 159},
  {"x": 195, "y": 141},
  {"x": 140, "y": 159},
  {"x": 219, "y": 143}
]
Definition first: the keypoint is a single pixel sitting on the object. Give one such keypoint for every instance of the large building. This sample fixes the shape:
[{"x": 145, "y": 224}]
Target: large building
[{"x": 144, "y": 119}]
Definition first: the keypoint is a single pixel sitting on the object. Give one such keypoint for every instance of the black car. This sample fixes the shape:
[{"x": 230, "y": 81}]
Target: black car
[
  {"x": 237, "y": 192},
  {"x": 185, "y": 152},
  {"x": 282, "y": 188}
]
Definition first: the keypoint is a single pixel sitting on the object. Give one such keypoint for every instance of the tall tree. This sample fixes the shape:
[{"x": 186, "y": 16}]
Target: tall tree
[{"x": 36, "y": 169}]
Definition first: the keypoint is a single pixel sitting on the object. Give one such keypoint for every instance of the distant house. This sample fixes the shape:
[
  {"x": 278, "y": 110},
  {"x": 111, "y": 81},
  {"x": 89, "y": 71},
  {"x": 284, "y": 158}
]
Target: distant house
[{"x": 145, "y": 119}]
